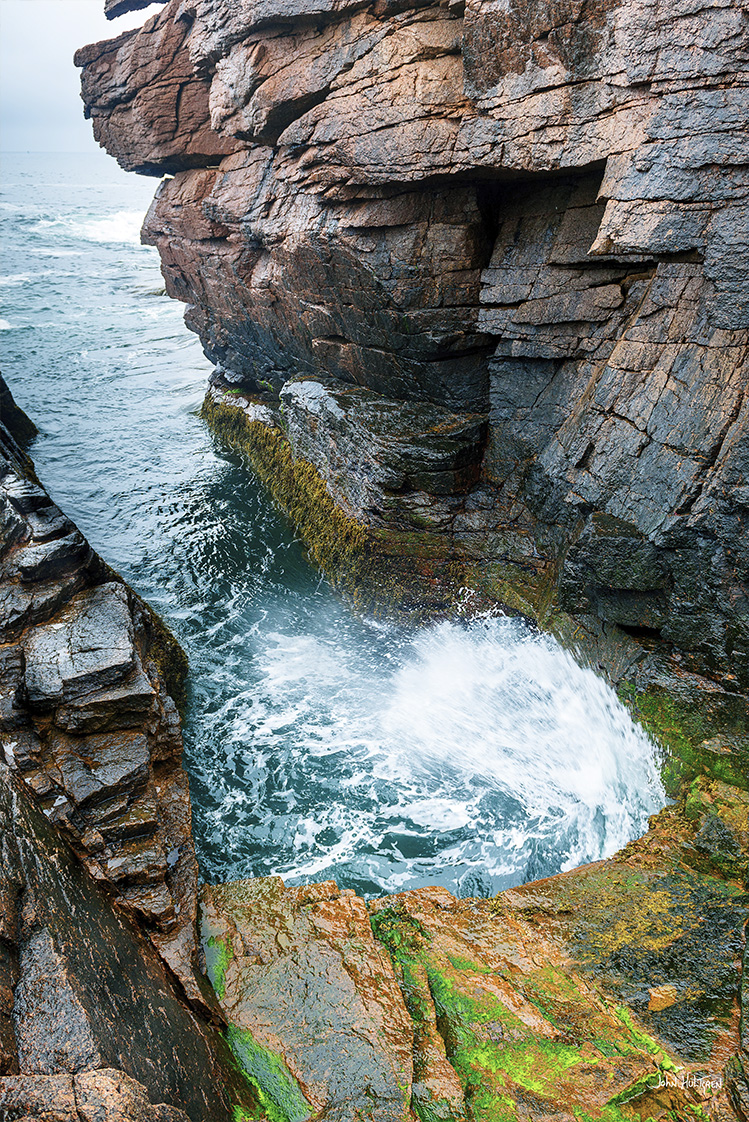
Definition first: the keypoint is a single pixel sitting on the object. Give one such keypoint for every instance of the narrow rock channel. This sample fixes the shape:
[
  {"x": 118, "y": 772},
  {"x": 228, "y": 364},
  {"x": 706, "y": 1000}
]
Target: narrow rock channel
[{"x": 373, "y": 698}]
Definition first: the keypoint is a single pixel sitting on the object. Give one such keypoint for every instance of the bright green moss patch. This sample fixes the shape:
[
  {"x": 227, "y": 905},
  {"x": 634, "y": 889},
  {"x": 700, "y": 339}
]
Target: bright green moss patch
[
  {"x": 705, "y": 735},
  {"x": 479, "y": 1031},
  {"x": 465, "y": 964},
  {"x": 487, "y": 1106},
  {"x": 399, "y": 931},
  {"x": 548, "y": 1038},
  {"x": 643, "y": 1041},
  {"x": 218, "y": 955},
  {"x": 279, "y": 1092},
  {"x": 534, "y": 1065}
]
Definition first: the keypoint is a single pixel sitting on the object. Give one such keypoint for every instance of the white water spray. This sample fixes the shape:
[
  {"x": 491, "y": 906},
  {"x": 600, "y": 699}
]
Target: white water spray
[{"x": 473, "y": 755}]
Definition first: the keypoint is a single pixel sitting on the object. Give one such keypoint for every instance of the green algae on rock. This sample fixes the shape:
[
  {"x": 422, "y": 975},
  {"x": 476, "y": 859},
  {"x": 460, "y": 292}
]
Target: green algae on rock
[
  {"x": 385, "y": 570},
  {"x": 609, "y": 993},
  {"x": 703, "y": 728},
  {"x": 316, "y": 1016},
  {"x": 510, "y": 1009}
]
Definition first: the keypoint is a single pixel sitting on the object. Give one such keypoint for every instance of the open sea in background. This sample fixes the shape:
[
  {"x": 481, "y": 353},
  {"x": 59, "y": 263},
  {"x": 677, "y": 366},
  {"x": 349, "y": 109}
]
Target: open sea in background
[{"x": 319, "y": 744}]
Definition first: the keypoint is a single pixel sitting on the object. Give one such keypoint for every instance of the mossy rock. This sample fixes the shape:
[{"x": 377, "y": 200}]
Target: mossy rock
[
  {"x": 279, "y": 1091},
  {"x": 702, "y": 733},
  {"x": 408, "y": 573},
  {"x": 527, "y": 1030}
]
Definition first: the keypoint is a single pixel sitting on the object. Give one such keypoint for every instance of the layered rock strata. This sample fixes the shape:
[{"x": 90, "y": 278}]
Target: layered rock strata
[
  {"x": 103, "y": 1009},
  {"x": 87, "y": 722},
  {"x": 532, "y": 216},
  {"x": 587, "y": 996}
]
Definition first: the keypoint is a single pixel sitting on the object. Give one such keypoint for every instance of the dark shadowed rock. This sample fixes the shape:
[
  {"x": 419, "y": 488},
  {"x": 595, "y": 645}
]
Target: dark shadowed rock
[
  {"x": 91, "y": 992},
  {"x": 18, "y": 426}
]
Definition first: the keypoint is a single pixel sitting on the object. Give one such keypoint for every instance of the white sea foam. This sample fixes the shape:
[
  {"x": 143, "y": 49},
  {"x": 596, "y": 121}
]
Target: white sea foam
[
  {"x": 13, "y": 280},
  {"x": 497, "y": 702},
  {"x": 5, "y": 326},
  {"x": 473, "y": 755},
  {"x": 122, "y": 227}
]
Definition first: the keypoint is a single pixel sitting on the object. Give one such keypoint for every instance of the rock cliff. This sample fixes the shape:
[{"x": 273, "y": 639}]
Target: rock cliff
[
  {"x": 524, "y": 222},
  {"x": 103, "y": 1009},
  {"x": 88, "y": 722},
  {"x": 474, "y": 280}
]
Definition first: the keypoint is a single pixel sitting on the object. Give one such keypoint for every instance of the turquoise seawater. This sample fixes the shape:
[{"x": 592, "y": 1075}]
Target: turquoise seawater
[{"x": 319, "y": 744}]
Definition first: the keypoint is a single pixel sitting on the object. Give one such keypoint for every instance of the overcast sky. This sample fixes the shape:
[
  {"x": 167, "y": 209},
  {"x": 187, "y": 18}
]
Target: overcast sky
[{"x": 40, "y": 105}]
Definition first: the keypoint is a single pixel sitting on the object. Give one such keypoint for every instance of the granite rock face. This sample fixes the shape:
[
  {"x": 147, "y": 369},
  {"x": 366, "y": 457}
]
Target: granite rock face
[
  {"x": 92, "y": 1026},
  {"x": 482, "y": 268},
  {"x": 104, "y": 1013},
  {"x": 302, "y": 977},
  {"x": 531, "y": 213},
  {"x": 585, "y": 996},
  {"x": 87, "y": 722}
]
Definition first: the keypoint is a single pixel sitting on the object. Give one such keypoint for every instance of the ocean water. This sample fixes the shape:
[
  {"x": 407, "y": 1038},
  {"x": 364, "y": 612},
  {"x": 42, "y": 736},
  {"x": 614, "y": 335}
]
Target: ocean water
[{"x": 475, "y": 755}]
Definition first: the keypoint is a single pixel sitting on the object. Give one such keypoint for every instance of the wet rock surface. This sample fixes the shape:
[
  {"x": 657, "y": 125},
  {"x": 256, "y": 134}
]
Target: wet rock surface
[
  {"x": 87, "y": 722},
  {"x": 93, "y": 1026},
  {"x": 316, "y": 1014},
  {"x": 588, "y": 995},
  {"x": 103, "y": 1010},
  {"x": 611, "y": 992},
  {"x": 481, "y": 270},
  {"x": 101, "y": 1096}
]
